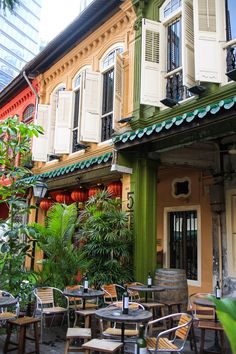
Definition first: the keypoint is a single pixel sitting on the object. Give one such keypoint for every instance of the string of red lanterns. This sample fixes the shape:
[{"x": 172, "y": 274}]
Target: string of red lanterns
[{"x": 46, "y": 204}]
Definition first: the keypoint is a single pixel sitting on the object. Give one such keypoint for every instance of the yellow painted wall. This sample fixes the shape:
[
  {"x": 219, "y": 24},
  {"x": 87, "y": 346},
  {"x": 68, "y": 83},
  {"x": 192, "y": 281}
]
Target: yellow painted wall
[{"x": 199, "y": 197}]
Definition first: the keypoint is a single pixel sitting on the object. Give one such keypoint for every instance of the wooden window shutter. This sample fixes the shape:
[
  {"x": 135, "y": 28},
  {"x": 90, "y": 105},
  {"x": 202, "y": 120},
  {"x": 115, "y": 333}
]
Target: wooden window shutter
[
  {"x": 62, "y": 141},
  {"x": 91, "y": 107},
  {"x": 208, "y": 29},
  {"x": 188, "y": 44},
  {"x": 118, "y": 92},
  {"x": 40, "y": 143},
  {"x": 52, "y": 122},
  {"x": 151, "y": 63}
]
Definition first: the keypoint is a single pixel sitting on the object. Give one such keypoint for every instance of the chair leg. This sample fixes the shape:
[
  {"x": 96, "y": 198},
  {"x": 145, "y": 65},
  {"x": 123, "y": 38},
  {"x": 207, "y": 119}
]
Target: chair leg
[
  {"x": 36, "y": 337},
  {"x": 222, "y": 342},
  {"x": 21, "y": 345},
  {"x": 9, "y": 331},
  {"x": 67, "y": 346},
  {"x": 41, "y": 328},
  {"x": 193, "y": 343}
]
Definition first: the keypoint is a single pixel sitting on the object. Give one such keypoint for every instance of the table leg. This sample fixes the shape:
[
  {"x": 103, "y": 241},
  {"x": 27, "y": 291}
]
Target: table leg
[
  {"x": 122, "y": 337},
  {"x": 84, "y": 303},
  {"x": 146, "y": 297}
]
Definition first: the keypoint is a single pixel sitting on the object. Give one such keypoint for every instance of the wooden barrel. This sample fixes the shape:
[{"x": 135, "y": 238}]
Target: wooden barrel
[{"x": 175, "y": 283}]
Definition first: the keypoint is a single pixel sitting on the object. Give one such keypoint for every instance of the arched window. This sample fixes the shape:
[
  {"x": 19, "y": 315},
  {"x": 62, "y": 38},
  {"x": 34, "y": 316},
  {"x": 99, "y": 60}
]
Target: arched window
[
  {"x": 112, "y": 89},
  {"x": 28, "y": 113}
]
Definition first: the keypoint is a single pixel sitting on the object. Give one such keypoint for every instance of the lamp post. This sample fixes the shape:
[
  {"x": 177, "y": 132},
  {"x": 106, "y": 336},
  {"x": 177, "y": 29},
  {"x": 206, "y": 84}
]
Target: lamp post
[{"x": 39, "y": 191}]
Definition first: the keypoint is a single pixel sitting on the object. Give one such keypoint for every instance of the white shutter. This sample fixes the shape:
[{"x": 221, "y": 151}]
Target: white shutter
[
  {"x": 62, "y": 142},
  {"x": 188, "y": 44},
  {"x": 208, "y": 27},
  {"x": 91, "y": 103},
  {"x": 118, "y": 88},
  {"x": 40, "y": 143},
  {"x": 52, "y": 122},
  {"x": 151, "y": 63}
]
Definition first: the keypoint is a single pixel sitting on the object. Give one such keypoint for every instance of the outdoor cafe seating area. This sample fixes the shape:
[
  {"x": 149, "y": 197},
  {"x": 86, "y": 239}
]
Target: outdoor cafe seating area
[{"x": 108, "y": 319}]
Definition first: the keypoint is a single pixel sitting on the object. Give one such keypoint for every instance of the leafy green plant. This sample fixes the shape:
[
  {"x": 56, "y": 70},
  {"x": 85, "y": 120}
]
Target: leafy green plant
[
  {"x": 226, "y": 312},
  {"x": 61, "y": 259},
  {"x": 107, "y": 240},
  {"x": 15, "y": 233}
]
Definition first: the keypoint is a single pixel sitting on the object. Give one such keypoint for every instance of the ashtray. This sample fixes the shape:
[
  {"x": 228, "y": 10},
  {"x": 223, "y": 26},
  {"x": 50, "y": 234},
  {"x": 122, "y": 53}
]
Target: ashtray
[{"x": 116, "y": 313}]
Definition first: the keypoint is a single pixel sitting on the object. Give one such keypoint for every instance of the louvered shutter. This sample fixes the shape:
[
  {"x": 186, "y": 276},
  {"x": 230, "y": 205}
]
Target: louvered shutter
[
  {"x": 151, "y": 63},
  {"x": 62, "y": 142},
  {"x": 188, "y": 44},
  {"x": 208, "y": 30},
  {"x": 52, "y": 121},
  {"x": 91, "y": 107},
  {"x": 40, "y": 143},
  {"x": 118, "y": 96}
]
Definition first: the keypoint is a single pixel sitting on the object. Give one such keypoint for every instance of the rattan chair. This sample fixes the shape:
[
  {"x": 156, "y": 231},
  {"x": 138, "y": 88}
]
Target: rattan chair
[
  {"x": 111, "y": 293},
  {"x": 46, "y": 305},
  {"x": 9, "y": 312},
  {"x": 179, "y": 333}
]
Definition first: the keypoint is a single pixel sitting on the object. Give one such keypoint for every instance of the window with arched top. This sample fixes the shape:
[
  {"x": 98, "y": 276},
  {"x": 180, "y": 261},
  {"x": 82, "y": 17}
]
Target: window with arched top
[
  {"x": 112, "y": 87},
  {"x": 28, "y": 113}
]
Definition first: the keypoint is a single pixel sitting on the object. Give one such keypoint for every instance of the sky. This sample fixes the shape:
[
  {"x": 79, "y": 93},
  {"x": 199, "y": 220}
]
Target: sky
[{"x": 53, "y": 22}]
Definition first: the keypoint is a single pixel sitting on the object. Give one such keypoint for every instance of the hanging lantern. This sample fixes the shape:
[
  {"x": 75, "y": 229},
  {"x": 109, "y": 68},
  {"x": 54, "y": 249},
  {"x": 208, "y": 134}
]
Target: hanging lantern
[
  {"x": 64, "y": 198},
  {"x": 46, "y": 204},
  {"x": 53, "y": 194},
  {"x": 79, "y": 195},
  {"x": 93, "y": 190},
  {"x": 115, "y": 188}
]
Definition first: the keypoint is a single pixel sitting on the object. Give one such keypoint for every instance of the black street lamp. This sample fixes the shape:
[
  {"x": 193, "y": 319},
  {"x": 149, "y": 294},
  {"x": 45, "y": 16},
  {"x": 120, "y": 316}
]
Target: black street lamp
[{"x": 39, "y": 191}]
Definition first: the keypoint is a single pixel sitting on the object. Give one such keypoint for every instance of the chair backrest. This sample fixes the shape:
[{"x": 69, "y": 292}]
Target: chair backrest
[
  {"x": 110, "y": 293},
  {"x": 74, "y": 300},
  {"x": 46, "y": 297},
  {"x": 132, "y": 293},
  {"x": 201, "y": 312},
  {"x": 185, "y": 321}
]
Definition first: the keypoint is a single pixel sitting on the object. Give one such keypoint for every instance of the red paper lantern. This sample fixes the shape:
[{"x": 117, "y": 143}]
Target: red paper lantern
[
  {"x": 79, "y": 195},
  {"x": 64, "y": 197},
  {"x": 53, "y": 194},
  {"x": 46, "y": 204},
  {"x": 93, "y": 190},
  {"x": 115, "y": 188}
]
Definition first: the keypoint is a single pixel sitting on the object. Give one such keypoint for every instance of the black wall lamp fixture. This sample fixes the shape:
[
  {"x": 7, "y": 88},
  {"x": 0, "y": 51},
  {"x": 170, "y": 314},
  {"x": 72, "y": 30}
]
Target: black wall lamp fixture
[
  {"x": 231, "y": 74},
  {"x": 197, "y": 89},
  {"x": 125, "y": 120},
  {"x": 169, "y": 102},
  {"x": 82, "y": 146}
]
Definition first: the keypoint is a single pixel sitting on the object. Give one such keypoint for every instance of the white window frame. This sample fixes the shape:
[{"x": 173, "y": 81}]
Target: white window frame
[
  {"x": 111, "y": 49},
  {"x": 166, "y": 247}
]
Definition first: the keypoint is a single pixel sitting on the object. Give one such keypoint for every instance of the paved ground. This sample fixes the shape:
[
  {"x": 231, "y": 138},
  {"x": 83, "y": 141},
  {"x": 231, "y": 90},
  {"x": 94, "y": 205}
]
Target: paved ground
[{"x": 54, "y": 342}]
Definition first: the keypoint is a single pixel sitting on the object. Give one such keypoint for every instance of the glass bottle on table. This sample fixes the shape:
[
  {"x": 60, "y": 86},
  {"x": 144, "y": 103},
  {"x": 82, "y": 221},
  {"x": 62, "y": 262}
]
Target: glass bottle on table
[
  {"x": 125, "y": 299},
  {"x": 141, "y": 343},
  {"x": 149, "y": 280},
  {"x": 85, "y": 283},
  {"x": 218, "y": 290}
]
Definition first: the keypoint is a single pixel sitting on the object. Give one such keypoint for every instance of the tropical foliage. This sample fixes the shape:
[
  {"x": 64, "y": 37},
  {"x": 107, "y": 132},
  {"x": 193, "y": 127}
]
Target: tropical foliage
[
  {"x": 106, "y": 238},
  {"x": 61, "y": 259},
  {"x": 226, "y": 312},
  {"x": 15, "y": 234}
]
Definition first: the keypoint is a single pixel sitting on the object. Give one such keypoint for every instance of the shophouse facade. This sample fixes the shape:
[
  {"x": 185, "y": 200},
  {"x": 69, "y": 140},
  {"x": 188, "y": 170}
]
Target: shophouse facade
[{"x": 181, "y": 147}]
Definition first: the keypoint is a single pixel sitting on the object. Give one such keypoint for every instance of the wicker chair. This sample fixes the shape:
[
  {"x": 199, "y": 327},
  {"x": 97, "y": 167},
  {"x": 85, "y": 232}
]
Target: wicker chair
[
  {"x": 46, "y": 304},
  {"x": 162, "y": 343},
  {"x": 110, "y": 293}
]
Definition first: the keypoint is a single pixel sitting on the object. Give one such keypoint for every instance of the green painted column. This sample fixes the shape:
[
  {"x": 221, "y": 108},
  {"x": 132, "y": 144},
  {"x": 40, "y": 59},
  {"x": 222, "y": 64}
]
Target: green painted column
[{"x": 144, "y": 186}]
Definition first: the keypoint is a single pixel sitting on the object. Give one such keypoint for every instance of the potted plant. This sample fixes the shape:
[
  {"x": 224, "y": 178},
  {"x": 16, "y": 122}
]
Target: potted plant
[{"x": 106, "y": 240}]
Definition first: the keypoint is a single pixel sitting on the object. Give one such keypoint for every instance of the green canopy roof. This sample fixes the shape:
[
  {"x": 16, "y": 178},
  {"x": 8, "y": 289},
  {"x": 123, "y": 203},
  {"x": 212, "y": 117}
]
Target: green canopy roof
[
  {"x": 166, "y": 125},
  {"x": 98, "y": 160}
]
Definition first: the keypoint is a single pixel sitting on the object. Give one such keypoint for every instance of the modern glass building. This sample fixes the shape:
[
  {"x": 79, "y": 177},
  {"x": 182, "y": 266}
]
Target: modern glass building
[{"x": 19, "y": 38}]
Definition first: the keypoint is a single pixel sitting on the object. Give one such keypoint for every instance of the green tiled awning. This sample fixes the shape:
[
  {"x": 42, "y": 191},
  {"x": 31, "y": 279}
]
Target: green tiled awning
[
  {"x": 166, "y": 125},
  {"x": 98, "y": 160}
]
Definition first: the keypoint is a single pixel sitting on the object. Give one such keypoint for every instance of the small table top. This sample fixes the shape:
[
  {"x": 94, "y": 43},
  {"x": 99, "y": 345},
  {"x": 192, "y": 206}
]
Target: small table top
[
  {"x": 7, "y": 301},
  {"x": 115, "y": 314},
  {"x": 204, "y": 302},
  {"x": 153, "y": 288},
  {"x": 80, "y": 293}
]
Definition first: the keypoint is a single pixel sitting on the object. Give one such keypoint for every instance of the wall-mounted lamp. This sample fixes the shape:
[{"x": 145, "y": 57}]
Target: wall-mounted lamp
[
  {"x": 53, "y": 157},
  {"x": 231, "y": 74},
  {"x": 169, "y": 102},
  {"x": 197, "y": 89},
  {"x": 125, "y": 120}
]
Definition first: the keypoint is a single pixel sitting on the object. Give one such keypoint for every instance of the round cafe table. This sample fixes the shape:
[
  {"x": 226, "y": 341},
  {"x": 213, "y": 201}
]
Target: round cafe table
[
  {"x": 146, "y": 289},
  {"x": 115, "y": 314},
  {"x": 90, "y": 294}
]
